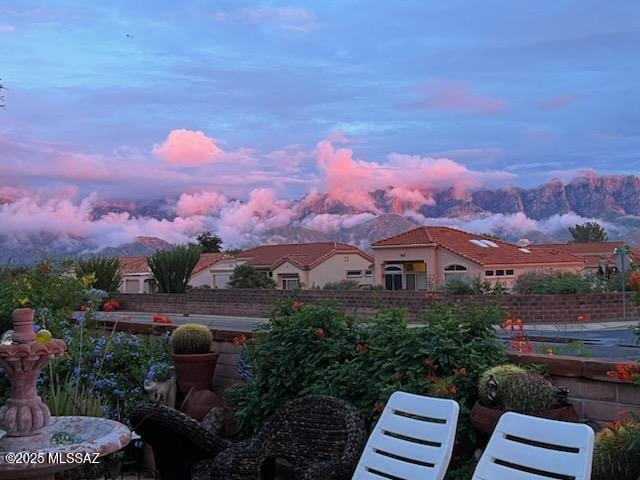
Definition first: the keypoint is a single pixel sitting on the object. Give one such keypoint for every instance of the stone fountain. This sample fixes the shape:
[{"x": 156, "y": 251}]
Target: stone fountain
[{"x": 36, "y": 445}]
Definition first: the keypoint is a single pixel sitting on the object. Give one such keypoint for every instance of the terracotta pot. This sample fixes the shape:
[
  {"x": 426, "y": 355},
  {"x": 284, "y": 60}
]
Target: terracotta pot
[
  {"x": 485, "y": 419},
  {"x": 198, "y": 403},
  {"x": 195, "y": 370}
]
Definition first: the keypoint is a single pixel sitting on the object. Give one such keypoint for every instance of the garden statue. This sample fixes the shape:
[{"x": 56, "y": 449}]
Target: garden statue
[{"x": 162, "y": 392}]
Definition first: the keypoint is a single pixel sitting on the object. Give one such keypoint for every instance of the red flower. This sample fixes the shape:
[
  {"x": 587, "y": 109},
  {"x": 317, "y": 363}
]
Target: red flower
[
  {"x": 508, "y": 323},
  {"x": 453, "y": 389},
  {"x": 362, "y": 347},
  {"x": 430, "y": 363},
  {"x": 626, "y": 372},
  {"x": 462, "y": 372},
  {"x": 240, "y": 340},
  {"x": 378, "y": 407},
  {"x": 431, "y": 378},
  {"x": 158, "y": 318},
  {"x": 297, "y": 305},
  {"x": 583, "y": 318},
  {"x": 320, "y": 332},
  {"x": 550, "y": 351}
]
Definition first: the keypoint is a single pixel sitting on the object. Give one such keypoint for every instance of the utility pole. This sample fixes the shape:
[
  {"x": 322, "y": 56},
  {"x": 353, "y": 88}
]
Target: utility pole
[{"x": 623, "y": 253}]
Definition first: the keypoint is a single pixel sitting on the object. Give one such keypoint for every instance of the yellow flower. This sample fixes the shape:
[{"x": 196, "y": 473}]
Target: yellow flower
[
  {"x": 22, "y": 301},
  {"x": 88, "y": 280}
]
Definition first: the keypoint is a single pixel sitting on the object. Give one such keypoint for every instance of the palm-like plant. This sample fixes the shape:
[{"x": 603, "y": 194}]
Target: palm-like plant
[
  {"x": 107, "y": 272},
  {"x": 172, "y": 268}
]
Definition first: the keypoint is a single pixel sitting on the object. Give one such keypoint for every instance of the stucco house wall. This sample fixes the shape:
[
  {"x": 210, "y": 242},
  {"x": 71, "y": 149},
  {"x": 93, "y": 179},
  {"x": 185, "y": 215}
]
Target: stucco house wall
[{"x": 335, "y": 269}]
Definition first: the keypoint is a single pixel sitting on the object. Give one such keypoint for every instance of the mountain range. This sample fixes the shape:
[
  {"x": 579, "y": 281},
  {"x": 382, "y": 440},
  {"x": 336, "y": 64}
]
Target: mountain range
[{"x": 540, "y": 214}]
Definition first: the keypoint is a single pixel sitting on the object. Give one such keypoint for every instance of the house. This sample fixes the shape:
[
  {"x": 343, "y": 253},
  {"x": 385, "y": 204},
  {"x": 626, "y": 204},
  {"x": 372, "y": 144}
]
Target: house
[
  {"x": 426, "y": 257},
  {"x": 301, "y": 265},
  {"x": 596, "y": 255},
  {"x": 137, "y": 276}
]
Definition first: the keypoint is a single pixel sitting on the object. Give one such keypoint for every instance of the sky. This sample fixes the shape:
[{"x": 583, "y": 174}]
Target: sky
[{"x": 159, "y": 99}]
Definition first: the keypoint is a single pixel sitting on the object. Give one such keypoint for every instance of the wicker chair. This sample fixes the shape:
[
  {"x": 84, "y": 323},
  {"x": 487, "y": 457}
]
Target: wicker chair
[
  {"x": 178, "y": 441},
  {"x": 320, "y": 438}
]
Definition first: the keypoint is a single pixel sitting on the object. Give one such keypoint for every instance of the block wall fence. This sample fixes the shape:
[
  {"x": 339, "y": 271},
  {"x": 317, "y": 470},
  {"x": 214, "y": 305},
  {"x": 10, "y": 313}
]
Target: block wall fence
[
  {"x": 258, "y": 303},
  {"x": 594, "y": 394}
]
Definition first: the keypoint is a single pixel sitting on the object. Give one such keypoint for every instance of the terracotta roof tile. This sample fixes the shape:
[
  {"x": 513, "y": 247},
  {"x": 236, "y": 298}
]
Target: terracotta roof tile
[
  {"x": 592, "y": 253},
  {"x": 209, "y": 259},
  {"x": 133, "y": 265},
  {"x": 470, "y": 246},
  {"x": 303, "y": 255}
]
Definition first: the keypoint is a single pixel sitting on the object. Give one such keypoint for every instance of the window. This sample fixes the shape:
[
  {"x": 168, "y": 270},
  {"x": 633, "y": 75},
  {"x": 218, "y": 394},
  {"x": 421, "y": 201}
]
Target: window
[
  {"x": 499, "y": 273},
  {"x": 415, "y": 267},
  {"x": 393, "y": 277},
  {"x": 454, "y": 271},
  {"x": 290, "y": 281},
  {"x": 354, "y": 273},
  {"x": 484, "y": 243},
  {"x": 368, "y": 273},
  {"x": 509, "y": 272},
  {"x": 488, "y": 273}
]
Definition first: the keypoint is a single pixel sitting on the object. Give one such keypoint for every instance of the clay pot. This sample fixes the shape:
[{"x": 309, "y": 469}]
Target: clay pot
[
  {"x": 195, "y": 370},
  {"x": 485, "y": 419},
  {"x": 198, "y": 403}
]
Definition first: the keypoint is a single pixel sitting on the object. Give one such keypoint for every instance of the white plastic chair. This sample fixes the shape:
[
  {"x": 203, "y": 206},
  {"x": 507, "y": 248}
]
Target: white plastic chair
[
  {"x": 412, "y": 440},
  {"x": 531, "y": 448}
]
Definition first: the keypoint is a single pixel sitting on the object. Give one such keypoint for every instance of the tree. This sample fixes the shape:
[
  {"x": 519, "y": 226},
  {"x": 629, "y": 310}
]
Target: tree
[
  {"x": 106, "y": 271},
  {"x": 233, "y": 251},
  {"x": 491, "y": 235},
  {"x": 2, "y": 88},
  {"x": 210, "y": 242},
  {"x": 246, "y": 276},
  {"x": 172, "y": 268},
  {"x": 589, "y": 232}
]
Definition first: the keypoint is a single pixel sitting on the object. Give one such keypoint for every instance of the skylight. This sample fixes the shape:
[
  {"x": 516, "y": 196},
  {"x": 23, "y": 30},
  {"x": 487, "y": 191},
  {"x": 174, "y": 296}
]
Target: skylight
[
  {"x": 524, "y": 250},
  {"x": 484, "y": 243},
  {"x": 479, "y": 243}
]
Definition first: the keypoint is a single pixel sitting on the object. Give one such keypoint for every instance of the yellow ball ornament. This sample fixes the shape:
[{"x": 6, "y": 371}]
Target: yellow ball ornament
[{"x": 43, "y": 336}]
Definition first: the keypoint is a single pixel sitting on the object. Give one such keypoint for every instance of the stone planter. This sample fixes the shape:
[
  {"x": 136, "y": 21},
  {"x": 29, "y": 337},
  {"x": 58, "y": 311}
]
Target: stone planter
[
  {"x": 195, "y": 370},
  {"x": 485, "y": 419}
]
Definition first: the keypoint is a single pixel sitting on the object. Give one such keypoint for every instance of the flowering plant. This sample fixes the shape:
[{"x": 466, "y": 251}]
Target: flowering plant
[
  {"x": 111, "y": 306},
  {"x": 627, "y": 372}
]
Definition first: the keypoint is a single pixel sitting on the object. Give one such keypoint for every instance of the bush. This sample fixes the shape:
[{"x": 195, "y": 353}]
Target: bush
[
  {"x": 172, "y": 268},
  {"x": 617, "y": 451},
  {"x": 317, "y": 349},
  {"x": 552, "y": 283},
  {"x": 48, "y": 288},
  {"x": 342, "y": 285},
  {"x": 246, "y": 276},
  {"x": 467, "y": 286},
  {"x": 106, "y": 272}
]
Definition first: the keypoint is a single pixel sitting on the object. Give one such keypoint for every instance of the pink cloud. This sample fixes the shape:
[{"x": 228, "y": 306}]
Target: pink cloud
[
  {"x": 351, "y": 181},
  {"x": 187, "y": 147},
  {"x": 457, "y": 97},
  {"x": 559, "y": 101},
  {"x": 7, "y": 28},
  {"x": 203, "y": 203}
]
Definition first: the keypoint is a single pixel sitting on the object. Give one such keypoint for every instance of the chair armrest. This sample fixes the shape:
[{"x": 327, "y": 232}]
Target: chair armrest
[
  {"x": 241, "y": 461},
  {"x": 330, "y": 471}
]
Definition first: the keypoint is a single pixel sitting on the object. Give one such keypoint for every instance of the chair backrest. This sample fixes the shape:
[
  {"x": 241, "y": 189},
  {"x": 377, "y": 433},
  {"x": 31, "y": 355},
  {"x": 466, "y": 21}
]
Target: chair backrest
[
  {"x": 312, "y": 429},
  {"x": 532, "y": 448},
  {"x": 412, "y": 440}
]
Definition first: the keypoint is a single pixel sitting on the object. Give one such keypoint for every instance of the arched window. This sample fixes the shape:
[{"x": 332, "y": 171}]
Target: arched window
[
  {"x": 393, "y": 277},
  {"x": 454, "y": 271}
]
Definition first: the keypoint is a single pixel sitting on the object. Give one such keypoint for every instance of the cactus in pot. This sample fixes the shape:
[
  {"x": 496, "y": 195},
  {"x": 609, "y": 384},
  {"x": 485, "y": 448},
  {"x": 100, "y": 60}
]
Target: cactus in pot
[
  {"x": 191, "y": 338},
  {"x": 513, "y": 388},
  {"x": 195, "y": 362}
]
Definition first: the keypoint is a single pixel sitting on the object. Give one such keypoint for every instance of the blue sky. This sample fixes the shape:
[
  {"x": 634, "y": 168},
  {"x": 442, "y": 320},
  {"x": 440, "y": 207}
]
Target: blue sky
[{"x": 517, "y": 92}]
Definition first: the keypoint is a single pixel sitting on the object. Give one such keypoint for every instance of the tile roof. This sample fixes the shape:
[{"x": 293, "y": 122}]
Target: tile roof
[
  {"x": 209, "y": 259},
  {"x": 303, "y": 255},
  {"x": 139, "y": 265},
  {"x": 592, "y": 253},
  {"x": 470, "y": 246},
  {"x": 133, "y": 265}
]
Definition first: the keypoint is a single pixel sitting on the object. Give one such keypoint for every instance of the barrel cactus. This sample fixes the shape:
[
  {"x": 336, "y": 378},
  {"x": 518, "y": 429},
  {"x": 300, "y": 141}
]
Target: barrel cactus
[
  {"x": 516, "y": 389},
  {"x": 191, "y": 338},
  {"x": 617, "y": 451}
]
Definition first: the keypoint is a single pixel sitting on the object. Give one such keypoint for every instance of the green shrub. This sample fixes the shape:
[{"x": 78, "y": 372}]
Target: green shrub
[
  {"x": 48, "y": 288},
  {"x": 191, "y": 338},
  {"x": 106, "y": 272},
  {"x": 616, "y": 453},
  {"x": 317, "y": 349},
  {"x": 342, "y": 285},
  {"x": 172, "y": 268},
  {"x": 67, "y": 398},
  {"x": 246, "y": 276},
  {"x": 466, "y": 286},
  {"x": 552, "y": 283}
]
